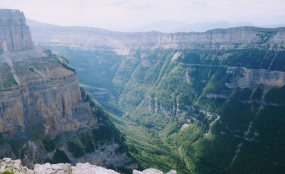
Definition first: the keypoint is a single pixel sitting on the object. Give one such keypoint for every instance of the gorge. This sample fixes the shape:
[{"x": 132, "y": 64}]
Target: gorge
[{"x": 210, "y": 102}]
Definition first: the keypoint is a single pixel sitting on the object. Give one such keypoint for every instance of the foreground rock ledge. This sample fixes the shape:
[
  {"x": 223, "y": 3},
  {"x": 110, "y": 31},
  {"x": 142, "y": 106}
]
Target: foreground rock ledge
[{"x": 16, "y": 166}]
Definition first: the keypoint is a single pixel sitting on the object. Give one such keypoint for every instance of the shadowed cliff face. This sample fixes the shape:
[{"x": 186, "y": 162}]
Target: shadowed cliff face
[{"x": 44, "y": 115}]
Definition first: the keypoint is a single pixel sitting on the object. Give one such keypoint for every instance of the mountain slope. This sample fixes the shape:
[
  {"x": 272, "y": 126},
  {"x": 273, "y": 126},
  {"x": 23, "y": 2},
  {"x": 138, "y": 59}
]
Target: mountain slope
[{"x": 196, "y": 102}]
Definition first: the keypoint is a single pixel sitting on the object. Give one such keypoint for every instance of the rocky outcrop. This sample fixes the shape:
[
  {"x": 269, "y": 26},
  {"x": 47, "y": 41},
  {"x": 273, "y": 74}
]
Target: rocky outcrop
[
  {"x": 14, "y": 33},
  {"x": 16, "y": 166},
  {"x": 8, "y": 164},
  {"x": 37, "y": 90},
  {"x": 44, "y": 115},
  {"x": 46, "y": 96},
  {"x": 12, "y": 17},
  {"x": 252, "y": 78}
]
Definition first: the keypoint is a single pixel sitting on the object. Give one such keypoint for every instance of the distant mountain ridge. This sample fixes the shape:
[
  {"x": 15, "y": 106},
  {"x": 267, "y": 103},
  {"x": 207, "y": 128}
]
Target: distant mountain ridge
[
  {"x": 167, "y": 26},
  {"x": 173, "y": 26},
  {"x": 87, "y": 38},
  {"x": 202, "y": 27}
]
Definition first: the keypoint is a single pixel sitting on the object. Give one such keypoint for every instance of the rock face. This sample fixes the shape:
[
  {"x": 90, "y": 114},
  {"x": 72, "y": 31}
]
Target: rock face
[
  {"x": 44, "y": 115},
  {"x": 14, "y": 33},
  {"x": 252, "y": 78},
  {"x": 37, "y": 90},
  {"x": 12, "y": 17},
  {"x": 16, "y": 166},
  {"x": 7, "y": 164}
]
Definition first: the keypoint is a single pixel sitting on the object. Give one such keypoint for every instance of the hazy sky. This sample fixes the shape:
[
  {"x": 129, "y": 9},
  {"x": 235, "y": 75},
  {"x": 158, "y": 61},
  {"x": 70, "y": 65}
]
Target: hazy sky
[{"x": 113, "y": 14}]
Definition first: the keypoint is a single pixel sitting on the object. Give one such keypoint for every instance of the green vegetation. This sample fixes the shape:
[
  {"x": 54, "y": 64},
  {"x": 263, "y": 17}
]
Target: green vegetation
[
  {"x": 7, "y": 172},
  {"x": 1, "y": 139},
  {"x": 276, "y": 95},
  {"x": 49, "y": 145},
  {"x": 62, "y": 60},
  {"x": 59, "y": 157},
  {"x": 181, "y": 114},
  {"x": 9, "y": 82},
  {"x": 75, "y": 149},
  {"x": 45, "y": 144}
]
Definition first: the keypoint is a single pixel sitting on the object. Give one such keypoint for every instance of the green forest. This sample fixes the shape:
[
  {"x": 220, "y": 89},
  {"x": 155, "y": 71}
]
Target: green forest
[{"x": 194, "y": 114}]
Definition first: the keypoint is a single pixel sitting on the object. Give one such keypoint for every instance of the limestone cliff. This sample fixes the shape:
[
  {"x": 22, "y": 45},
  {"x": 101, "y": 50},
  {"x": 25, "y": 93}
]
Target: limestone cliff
[
  {"x": 84, "y": 38},
  {"x": 44, "y": 115},
  {"x": 14, "y": 33},
  {"x": 39, "y": 95}
]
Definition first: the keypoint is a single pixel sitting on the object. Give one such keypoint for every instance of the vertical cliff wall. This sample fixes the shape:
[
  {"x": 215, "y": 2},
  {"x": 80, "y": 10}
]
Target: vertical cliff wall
[
  {"x": 14, "y": 33},
  {"x": 44, "y": 116},
  {"x": 40, "y": 96}
]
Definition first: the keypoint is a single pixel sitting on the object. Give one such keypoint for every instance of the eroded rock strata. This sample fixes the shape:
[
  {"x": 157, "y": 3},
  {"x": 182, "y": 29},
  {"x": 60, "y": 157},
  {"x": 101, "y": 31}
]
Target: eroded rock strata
[{"x": 44, "y": 115}]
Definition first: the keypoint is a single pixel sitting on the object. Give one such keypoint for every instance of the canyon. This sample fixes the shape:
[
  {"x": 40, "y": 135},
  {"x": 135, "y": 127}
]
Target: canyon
[{"x": 209, "y": 102}]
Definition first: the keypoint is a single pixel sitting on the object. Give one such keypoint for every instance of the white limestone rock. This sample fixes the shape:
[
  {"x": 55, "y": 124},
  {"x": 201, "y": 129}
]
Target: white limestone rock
[
  {"x": 53, "y": 168},
  {"x": 8, "y": 164},
  {"x": 153, "y": 171},
  {"x": 88, "y": 168},
  {"x": 148, "y": 171}
]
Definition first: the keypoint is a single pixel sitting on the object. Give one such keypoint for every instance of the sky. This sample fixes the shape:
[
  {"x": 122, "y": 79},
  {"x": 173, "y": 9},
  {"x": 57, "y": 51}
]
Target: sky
[{"x": 127, "y": 14}]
